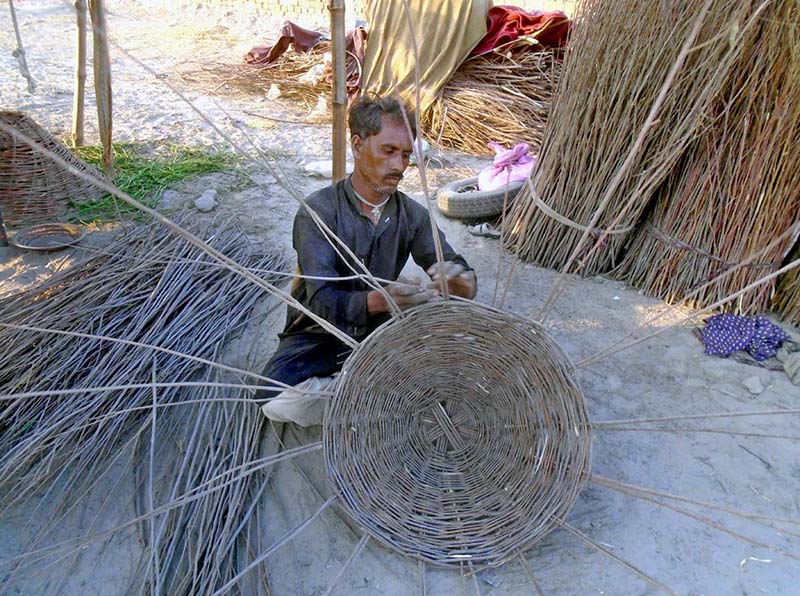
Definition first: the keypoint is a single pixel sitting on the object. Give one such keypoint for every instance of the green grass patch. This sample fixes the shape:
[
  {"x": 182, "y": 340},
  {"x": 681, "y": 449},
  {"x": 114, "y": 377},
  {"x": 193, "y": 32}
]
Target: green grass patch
[{"x": 144, "y": 172}]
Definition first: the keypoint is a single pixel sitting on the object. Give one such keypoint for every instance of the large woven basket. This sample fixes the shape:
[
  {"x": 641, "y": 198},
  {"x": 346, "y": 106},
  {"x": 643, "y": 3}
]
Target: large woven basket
[
  {"x": 458, "y": 434},
  {"x": 33, "y": 188}
]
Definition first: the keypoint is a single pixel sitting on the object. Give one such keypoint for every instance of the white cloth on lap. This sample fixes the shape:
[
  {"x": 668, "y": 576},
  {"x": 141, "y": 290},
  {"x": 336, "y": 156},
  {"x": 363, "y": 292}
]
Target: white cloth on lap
[{"x": 295, "y": 405}]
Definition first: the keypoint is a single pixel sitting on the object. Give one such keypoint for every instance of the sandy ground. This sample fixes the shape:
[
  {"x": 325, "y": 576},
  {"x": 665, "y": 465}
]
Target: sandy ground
[{"x": 665, "y": 376}]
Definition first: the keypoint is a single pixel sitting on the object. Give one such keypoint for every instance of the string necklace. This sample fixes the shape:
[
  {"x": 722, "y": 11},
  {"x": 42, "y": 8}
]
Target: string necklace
[{"x": 376, "y": 209}]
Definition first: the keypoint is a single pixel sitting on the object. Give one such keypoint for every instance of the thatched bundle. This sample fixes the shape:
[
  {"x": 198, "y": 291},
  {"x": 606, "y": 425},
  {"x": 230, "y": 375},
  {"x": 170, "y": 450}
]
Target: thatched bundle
[
  {"x": 637, "y": 83},
  {"x": 503, "y": 96},
  {"x": 738, "y": 187}
]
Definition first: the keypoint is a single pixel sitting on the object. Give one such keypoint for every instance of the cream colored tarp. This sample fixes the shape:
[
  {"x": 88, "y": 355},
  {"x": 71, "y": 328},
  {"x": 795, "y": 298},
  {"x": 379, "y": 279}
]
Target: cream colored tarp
[{"x": 445, "y": 31}]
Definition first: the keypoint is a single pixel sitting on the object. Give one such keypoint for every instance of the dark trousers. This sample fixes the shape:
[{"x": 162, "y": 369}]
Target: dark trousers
[{"x": 300, "y": 356}]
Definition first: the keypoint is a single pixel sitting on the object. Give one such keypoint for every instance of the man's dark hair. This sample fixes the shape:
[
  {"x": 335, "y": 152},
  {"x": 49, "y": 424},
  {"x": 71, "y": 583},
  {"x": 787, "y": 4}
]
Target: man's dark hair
[{"x": 366, "y": 113}]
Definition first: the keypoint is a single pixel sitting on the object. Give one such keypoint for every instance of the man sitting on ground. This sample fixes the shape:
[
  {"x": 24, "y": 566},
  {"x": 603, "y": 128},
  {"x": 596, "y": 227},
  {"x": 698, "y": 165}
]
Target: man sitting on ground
[{"x": 382, "y": 227}]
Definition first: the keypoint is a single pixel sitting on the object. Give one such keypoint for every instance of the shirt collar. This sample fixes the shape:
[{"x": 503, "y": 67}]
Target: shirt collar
[{"x": 389, "y": 210}]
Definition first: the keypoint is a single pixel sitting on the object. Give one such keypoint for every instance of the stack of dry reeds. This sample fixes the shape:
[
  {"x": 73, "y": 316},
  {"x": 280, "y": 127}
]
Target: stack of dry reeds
[
  {"x": 738, "y": 187},
  {"x": 503, "y": 96},
  {"x": 81, "y": 391},
  {"x": 636, "y": 85}
]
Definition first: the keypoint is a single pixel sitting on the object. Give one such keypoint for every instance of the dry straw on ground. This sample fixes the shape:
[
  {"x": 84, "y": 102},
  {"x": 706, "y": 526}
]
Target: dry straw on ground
[
  {"x": 738, "y": 186},
  {"x": 256, "y": 79},
  {"x": 458, "y": 434},
  {"x": 635, "y": 89},
  {"x": 503, "y": 96},
  {"x": 33, "y": 189}
]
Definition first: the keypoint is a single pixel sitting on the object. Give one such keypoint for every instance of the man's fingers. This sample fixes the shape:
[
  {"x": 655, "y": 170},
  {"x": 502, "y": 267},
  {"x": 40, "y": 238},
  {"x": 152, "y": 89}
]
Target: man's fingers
[
  {"x": 451, "y": 269},
  {"x": 418, "y": 298}
]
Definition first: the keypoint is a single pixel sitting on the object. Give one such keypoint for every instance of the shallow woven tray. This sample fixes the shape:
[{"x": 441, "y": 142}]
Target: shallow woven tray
[
  {"x": 44, "y": 237},
  {"x": 458, "y": 434}
]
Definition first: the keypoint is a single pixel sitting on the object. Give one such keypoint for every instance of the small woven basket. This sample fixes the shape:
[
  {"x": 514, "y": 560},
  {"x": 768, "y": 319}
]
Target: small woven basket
[
  {"x": 458, "y": 434},
  {"x": 33, "y": 188}
]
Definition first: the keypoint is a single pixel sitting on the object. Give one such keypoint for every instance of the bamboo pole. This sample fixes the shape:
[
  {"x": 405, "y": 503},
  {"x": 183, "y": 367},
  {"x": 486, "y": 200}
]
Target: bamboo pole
[
  {"x": 339, "y": 103},
  {"x": 19, "y": 52},
  {"x": 3, "y": 235},
  {"x": 80, "y": 75},
  {"x": 102, "y": 81}
]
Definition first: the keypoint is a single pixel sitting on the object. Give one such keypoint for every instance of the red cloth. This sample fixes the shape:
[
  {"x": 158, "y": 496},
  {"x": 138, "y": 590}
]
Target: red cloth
[
  {"x": 290, "y": 34},
  {"x": 505, "y": 24},
  {"x": 355, "y": 46}
]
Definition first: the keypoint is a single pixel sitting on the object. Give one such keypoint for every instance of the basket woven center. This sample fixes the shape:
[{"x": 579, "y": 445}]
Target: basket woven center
[{"x": 457, "y": 433}]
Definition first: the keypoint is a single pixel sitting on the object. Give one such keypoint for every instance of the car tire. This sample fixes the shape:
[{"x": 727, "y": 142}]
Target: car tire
[{"x": 462, "y": 199}]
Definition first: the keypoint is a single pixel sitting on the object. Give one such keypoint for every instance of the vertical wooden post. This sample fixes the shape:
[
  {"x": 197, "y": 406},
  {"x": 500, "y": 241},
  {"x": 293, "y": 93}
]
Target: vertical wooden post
[
  {"x": 3, "y": 235},
  {"x": 339, "y": 97},
  {"x": 80, "y": 75},
  {"x": 19, "y": 53},
  {"x": 102, "y": 81}
]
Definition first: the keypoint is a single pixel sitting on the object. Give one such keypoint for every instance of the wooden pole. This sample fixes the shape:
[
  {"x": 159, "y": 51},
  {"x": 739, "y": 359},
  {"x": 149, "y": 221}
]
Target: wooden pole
[
  {"x": 339, "y": 99},
  {"x": 19, "y": 53},
  {"x": 3, "y": 234},
  {"x": 80, "y": 75},
  {"x": 102, "y": 81}
]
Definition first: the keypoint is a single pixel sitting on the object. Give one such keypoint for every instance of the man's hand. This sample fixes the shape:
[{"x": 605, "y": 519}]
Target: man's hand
[
  {"x": 459, "y": 282},
  {"x": 405, "y": 293}
]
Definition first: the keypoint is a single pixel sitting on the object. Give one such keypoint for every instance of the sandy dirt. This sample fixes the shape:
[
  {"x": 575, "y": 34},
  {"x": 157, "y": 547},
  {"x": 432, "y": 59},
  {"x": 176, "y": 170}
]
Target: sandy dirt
[{"x": 665, "y": 376}]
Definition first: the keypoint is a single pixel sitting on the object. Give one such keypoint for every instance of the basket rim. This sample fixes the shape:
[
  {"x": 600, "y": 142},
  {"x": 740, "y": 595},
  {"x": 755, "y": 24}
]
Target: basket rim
[{"x": 22, "y": 238}]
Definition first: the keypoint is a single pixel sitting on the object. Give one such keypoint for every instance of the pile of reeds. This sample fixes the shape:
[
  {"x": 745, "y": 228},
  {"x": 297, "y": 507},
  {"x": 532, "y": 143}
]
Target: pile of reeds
[
  {"x": 117, "y": 354},
  {"x": 738, "y": 187},
  {"x": 503, "y": 96},
  {"x": 206, "y": 452},
  {"x": 256, "y": 79},
  {"x": 637, "y": 82}
]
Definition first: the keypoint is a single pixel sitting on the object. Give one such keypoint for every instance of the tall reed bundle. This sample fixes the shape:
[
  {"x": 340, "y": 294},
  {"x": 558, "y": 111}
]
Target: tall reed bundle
[
  {"x": 74, "y": 404},
  {"x": 787, "y": 299},
  {"x": 637, "y": 81},
  {"x": 739, "y": 185},
  {"x": 256, "y": 79},
  {"x": 503, "y": 96}
]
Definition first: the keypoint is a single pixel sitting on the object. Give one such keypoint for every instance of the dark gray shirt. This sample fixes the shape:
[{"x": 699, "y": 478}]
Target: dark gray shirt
[{"x": 404, "y": 229}]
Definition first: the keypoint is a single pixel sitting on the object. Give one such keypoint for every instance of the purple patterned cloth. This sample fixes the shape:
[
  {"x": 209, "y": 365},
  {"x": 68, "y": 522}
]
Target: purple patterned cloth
[{"x": 726, "y": 333}]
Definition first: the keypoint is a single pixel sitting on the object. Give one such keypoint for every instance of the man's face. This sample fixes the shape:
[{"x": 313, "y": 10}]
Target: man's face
[{"x": 381, "y": 159}]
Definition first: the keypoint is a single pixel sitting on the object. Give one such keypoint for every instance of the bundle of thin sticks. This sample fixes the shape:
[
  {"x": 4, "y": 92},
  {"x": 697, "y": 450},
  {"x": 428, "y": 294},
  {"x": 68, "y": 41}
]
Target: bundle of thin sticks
[
  {"x": 637, "y": 82},
  {"x": 115, "y": 353},
  {"x": 503, "y": 96},
  {"x": 256, "y": 79},
  {"x": 204, "y": 452},
  {"x": 738, "y": 188}
]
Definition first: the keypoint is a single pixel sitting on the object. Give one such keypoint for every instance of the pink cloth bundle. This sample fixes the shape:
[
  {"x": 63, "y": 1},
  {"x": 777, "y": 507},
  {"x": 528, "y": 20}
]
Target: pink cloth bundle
[{"x": 510, "y": 165}]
